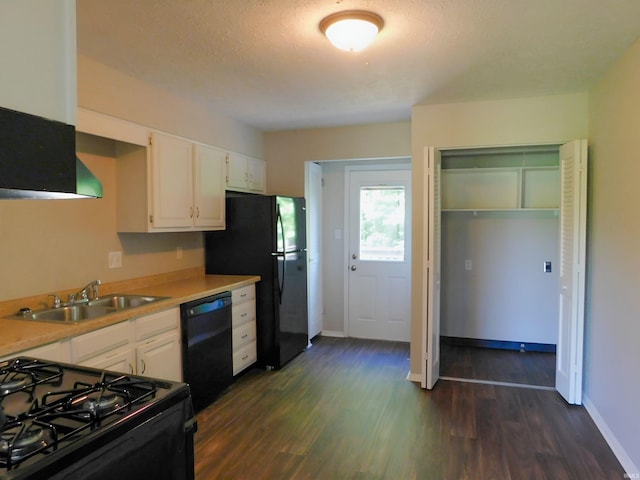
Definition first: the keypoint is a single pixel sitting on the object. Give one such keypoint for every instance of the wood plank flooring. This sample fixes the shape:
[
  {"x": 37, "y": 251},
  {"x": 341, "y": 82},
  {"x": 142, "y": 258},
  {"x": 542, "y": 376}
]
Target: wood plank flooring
[
  {"x": 344, "y": 410},
  {"x": 532, "y": 368}
]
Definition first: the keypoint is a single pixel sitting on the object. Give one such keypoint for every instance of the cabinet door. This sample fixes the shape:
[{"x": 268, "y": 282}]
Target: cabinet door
[
  {"x": 117, "y": 360},
  {"x": 160, "y": 357},
  {"x": 208, "y": 183},
  {"x": 172, "y": 181},
  {"x": 236, "y": 171},
  {"x": 256, "y": 174}
]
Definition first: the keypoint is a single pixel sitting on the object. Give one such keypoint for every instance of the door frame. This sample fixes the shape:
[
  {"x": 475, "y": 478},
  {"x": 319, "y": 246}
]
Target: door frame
[
  {"x": 345, "y": 258},
  {"x": 577, "y": 340}
]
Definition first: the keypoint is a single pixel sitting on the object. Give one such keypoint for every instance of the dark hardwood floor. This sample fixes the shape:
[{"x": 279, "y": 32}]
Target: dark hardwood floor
[
  {"x": 531, "y": 368},
  {"x": 344, "y": 410}
]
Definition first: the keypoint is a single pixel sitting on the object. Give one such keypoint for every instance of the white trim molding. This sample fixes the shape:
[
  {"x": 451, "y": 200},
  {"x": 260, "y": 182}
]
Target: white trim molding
[{"x": 618, "y": 450}]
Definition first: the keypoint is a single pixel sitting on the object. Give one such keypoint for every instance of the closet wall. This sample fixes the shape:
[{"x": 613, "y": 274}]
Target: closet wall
[{"x": 499, "y": 227}]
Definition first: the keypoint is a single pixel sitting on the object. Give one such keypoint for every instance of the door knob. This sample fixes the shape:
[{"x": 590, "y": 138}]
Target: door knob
[
  {"x": 353, "y": 268},
  {"x": 354, "y": 256}
]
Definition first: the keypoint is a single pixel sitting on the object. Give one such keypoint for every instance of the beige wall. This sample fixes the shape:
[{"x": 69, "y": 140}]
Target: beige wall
[
  {"x": 612, "y": 335},
  {"x": 109, "y": 91},
  {"x": 539, "y": 120},
  {"x": 52, "y": 245},
  {"x": 286, "y": 151}
]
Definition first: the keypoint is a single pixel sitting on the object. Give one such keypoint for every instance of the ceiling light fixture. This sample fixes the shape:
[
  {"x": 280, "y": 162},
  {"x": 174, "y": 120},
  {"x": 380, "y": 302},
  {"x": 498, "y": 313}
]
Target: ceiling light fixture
[{"x": 351, "y": 30}]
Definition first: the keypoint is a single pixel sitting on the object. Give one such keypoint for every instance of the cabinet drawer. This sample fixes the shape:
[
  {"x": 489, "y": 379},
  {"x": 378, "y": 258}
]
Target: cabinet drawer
[
  {"x": 243, "y": 294},
  {"x": 244, "y": 357},
  {"x": 243, "y": 313},
  {"x": 243, "y": 334},
  {"x": 156, "y": 323},
  {"x": 94, "y": 343}
]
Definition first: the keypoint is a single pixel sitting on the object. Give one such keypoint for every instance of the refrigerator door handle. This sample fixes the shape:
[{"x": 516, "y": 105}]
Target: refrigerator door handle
[{"x": 283, "y": 255}]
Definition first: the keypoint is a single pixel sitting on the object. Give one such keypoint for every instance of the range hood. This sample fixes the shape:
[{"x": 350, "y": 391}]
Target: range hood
[{"x": 38, "y": 160}]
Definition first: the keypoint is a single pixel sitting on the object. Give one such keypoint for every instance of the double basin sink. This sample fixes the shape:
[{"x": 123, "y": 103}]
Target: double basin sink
[{"x": 89, "y": 309}]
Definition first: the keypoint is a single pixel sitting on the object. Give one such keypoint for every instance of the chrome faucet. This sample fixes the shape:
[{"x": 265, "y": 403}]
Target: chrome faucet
[{"x": 84, "y": 293}]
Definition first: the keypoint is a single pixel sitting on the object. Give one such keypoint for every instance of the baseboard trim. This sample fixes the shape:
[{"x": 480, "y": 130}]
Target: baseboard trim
[
  {"x": 498, "y": 384},
  {"x": 618, "y": 450},
  {"x": 500, "y": 344},
  {"x": 333, "y": 333}
]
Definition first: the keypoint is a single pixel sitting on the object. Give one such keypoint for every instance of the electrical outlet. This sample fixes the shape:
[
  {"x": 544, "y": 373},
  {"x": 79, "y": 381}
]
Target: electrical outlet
[
  {"x": 547, "y": 267},
  {"x": 179, "y": 252},
  {"x": 115, "y": 259},
  {"x": 467, "y": 264}
]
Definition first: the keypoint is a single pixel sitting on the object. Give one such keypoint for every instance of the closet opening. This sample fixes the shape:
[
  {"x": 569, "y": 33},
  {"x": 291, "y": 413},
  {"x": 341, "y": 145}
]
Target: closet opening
[{"x": 500, "y": 234}]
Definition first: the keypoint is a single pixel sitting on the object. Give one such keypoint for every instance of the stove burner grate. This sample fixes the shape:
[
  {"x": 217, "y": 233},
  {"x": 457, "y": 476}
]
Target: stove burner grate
[
  {"x": 23, "y": 374},
  {"x": 23, "y": 439},
  {"x": 93, "y": 402}
]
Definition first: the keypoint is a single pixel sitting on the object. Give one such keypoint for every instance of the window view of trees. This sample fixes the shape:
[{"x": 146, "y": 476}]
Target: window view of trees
[{"x": 382, "y": 223}]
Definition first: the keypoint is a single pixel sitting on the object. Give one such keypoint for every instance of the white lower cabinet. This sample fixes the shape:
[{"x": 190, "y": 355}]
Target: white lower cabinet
[
  {"x": 117, "y": 360},
  {"x": 101, "y": 347},
  {"x": 159, "y": 357},
  {"x": 243, "y": 320},
  {"x": 148, "y": 346},
  {"x": 54, "y": 352}
]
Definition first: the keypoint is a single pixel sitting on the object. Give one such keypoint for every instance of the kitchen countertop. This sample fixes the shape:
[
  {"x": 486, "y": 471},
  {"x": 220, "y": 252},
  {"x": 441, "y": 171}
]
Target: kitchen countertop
[{"x": 18, "y": 335}]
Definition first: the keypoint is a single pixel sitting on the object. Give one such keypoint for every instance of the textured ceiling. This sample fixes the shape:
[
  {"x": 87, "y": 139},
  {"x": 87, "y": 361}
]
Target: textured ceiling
[{"x": 265, "y": 62}]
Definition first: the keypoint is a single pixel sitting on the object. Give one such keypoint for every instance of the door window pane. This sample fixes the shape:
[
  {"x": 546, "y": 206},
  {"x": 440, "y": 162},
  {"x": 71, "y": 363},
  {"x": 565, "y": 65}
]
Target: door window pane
[{"x": 382, "y": 223}]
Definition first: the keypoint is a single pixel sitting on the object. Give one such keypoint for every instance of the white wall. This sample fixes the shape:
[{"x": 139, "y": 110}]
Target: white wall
[
  {"x": 523, "y": 121},
  {"x": 612, "y": 333},
  {"x": 506, "y": 295}
]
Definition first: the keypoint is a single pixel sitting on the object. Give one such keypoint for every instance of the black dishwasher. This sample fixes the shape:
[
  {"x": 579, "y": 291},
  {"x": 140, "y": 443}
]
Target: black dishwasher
[{"x": 207, "y": 355}]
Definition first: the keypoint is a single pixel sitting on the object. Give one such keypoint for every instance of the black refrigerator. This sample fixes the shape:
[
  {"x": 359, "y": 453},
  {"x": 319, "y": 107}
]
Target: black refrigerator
[{"x": 266, "y": 236}]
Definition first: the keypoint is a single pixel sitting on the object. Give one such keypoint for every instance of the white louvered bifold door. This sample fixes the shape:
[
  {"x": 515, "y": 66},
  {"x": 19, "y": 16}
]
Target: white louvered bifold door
[
  {"x": 573, "y": 219},
  {"x": 432, "y": 232}
]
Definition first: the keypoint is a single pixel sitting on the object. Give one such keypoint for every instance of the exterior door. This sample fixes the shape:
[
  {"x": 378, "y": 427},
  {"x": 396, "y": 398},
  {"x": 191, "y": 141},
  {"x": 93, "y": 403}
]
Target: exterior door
[
  {"x": 379, "y": 254},
  {"x": 573, "y": 219},
  {"x": 432, "y": 232}
]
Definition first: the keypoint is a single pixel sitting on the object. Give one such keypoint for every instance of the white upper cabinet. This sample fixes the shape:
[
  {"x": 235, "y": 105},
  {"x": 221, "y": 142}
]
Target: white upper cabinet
[
  {"x": 174, "y": 185},
  {"x": 208, "y": 186},
  {"x": 172, "y": 182},
  {"x": 246, "y": 174}
]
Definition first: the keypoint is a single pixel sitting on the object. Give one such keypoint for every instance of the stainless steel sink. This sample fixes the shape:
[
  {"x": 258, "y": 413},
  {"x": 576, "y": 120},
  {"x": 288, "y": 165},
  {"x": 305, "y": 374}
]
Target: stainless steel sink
[
  {"x": 70, "y": 313},
  {"x": 88, "y": 310},
  {"x": 122, "y": 301}
]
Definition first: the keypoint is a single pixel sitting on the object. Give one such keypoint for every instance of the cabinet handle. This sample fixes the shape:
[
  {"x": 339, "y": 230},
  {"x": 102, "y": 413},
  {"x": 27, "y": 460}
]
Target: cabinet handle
[
  {"x": 197, "y": 212},
  {"x": 144, "y": 366},
  {"x": 190, "y": 212},
  {"x": 245, "y": 357},
  {"x": 243, "y": 295},
  {"x": 245, "y": 335},
  {"x": 244, "y": 315}
]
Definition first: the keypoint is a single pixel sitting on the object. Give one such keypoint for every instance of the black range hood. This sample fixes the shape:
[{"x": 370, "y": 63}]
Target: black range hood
[{"x": 38, "y": 160}]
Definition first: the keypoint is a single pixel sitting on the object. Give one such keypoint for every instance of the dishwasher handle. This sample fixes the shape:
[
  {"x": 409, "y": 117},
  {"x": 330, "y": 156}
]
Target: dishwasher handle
[{"x": 208, "y": 305}]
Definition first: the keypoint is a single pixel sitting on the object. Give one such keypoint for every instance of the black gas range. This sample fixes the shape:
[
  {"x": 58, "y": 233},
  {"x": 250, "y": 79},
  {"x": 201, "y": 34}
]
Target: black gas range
[{"x": 64, "y": 421}]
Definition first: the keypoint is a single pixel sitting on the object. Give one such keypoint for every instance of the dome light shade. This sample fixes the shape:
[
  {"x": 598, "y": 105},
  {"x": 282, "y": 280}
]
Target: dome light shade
[{"x": 352, "y": 30}]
